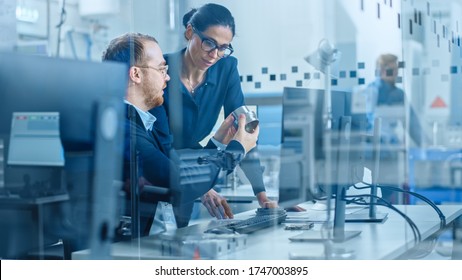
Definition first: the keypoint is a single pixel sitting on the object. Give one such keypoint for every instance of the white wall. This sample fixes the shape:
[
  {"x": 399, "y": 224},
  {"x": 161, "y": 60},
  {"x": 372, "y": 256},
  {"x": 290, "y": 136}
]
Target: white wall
[{"x": 278, "y": 34}]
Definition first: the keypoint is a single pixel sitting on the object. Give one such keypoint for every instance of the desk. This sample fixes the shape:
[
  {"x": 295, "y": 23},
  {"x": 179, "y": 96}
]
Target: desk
[
  {"x": 23, "y": 224},
  {"x": 389, "y": 240}
]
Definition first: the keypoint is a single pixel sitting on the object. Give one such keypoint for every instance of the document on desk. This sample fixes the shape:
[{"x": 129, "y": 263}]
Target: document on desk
[
  {"x": 317, "y": 216},
  {"x": 308, "y": 216}
]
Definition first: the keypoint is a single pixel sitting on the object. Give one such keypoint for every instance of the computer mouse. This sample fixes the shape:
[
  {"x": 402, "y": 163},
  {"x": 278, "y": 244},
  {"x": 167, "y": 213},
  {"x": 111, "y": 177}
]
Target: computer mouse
[
  {"x": 220, "y": 230},
  {"x": 295, "y": 208},
  {"x": 319, "y": 206}
]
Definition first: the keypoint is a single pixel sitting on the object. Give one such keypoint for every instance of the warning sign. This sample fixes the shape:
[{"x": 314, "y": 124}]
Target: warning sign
[{"x": 438, "y": 103}]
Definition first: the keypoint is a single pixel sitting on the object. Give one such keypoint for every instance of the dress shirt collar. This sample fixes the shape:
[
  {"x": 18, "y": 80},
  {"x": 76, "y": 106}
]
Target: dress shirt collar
[{"x": 147, "y": 118}]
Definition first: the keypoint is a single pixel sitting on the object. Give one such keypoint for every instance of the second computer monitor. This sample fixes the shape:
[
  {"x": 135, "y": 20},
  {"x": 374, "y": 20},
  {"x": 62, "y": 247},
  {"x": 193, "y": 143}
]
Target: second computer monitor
[
  {"x": 88, "y": 99},
  {"x": 302, "y": 147}
]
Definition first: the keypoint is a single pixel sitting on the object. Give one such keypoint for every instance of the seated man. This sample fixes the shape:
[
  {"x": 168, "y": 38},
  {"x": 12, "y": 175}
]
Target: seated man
[{"x": 159, "y": 164}]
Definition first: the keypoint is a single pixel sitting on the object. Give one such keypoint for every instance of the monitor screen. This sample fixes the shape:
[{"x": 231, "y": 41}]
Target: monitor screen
[
  {"x": 307, "y": 144},
  {"x": 35, "y": 139},
  {"x": 42, "y": 84},
  {"x": 86, "y": 98}
]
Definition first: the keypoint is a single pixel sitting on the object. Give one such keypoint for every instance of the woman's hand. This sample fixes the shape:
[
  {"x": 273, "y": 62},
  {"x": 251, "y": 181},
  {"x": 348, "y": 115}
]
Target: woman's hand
[
  {"x": 247, "y": 140},
  {"x": 226, "y": 131},
  {"x": 265, "y": 202}
]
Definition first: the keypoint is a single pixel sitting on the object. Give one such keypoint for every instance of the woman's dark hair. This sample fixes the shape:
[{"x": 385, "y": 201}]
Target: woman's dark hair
[
  {"x": 209, "y": 15},
  {"x": 127, "y": 48}
]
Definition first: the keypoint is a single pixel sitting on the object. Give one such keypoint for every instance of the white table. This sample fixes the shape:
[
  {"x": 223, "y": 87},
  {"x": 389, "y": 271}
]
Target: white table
[{"x": 389, "y": 240}]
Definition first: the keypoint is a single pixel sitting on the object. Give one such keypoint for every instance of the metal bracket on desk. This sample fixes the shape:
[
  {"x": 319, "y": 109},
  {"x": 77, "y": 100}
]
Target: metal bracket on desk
[
  {"x": 457, "y": 242},
  {"x": 204, "y": 246}
]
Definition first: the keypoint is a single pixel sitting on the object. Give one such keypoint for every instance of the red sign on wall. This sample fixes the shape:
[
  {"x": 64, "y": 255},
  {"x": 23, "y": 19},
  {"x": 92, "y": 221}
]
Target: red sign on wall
[{"x": 438, "y": 103}]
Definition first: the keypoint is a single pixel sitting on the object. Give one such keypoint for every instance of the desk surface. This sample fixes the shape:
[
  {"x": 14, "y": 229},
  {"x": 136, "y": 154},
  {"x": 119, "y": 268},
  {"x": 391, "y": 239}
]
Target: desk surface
[
  {"x": 388, "y": 240},
  {"x": 6, "y": 202}
]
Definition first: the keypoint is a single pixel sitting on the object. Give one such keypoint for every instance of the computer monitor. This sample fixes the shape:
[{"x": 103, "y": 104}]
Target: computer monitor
[
  {"x": 88, "y": 98},
  {"x": 307, "y": 164},
  {"x": 302, "y": 153}
]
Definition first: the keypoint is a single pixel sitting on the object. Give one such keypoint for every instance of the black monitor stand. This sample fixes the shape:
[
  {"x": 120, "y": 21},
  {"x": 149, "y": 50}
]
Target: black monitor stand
[
  {"x": 372, "y": 216},
  {"x": 338, "y": 233}
]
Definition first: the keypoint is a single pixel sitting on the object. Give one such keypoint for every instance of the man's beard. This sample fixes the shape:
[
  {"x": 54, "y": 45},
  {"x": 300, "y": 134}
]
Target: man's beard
[
  {"x": 150, "y": 99},
  {"x": 153, "y": 101}
]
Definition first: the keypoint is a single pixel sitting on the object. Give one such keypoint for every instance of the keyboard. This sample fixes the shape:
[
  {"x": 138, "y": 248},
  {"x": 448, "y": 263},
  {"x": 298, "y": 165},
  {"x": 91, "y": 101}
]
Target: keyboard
[{"x": 263, "y": 219}]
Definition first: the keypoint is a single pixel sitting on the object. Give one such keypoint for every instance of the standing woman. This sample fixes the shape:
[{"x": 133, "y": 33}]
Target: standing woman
[{"x": 206, "y": 76}]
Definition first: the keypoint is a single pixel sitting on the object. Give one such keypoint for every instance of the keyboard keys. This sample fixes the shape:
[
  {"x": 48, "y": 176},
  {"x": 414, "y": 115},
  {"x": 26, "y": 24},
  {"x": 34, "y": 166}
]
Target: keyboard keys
[{"x": 252, "y": 224}]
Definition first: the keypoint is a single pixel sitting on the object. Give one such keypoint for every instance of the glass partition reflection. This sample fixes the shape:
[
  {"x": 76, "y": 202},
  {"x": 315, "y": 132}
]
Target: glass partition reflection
[{"x": 394, "y": 67}]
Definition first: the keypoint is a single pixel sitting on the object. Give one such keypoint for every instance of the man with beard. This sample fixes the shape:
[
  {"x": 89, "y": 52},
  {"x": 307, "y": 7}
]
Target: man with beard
[{"x": 159, "y": 164}]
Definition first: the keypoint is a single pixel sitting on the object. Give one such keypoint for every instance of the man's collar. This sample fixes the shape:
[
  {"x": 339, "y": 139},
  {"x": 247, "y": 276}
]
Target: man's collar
[{"x": 147, "y": 118}]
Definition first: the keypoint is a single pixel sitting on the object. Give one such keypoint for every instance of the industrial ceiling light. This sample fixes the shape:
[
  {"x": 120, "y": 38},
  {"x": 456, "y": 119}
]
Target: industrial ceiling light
[
  {"x": 324, "y": 56},
  {"x": 322, "y": 59}
]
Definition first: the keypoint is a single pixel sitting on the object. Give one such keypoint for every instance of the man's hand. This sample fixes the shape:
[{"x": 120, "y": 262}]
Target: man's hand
[
  {"x": 265, "y": 202},
  {"x": 226, "y": 131},
  {"x": 247, "y": 140},
  {"x": 217, "y": 205}
]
